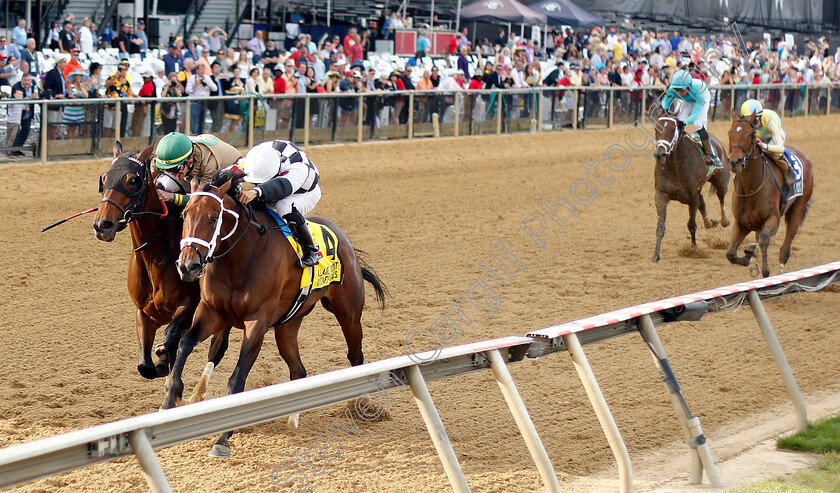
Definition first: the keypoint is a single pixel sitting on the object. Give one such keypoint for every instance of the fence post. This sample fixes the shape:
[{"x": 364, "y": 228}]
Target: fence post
[
  {"x": 44, "y": 137},
  {"x": 807, "y": 101},
  {"x": 602, "y": 411},
  {"x": 575, "y": 111},
  {"x": 498, "y": 113},
  {"x": 251, "y": 107},
  {"x": 436, "y": 430},
  {"x": 188, "y": 118},
  {"x": 360, "y": 127},
  {"x": 457, "y": 112},
  {"x": 539, "y": 106},
  {"x": 731, "y": 100},
  {"x": 306, "y": 118},
  {"x": 612, "y": 109},
  {"x": 142, "y": 448},
  {"x": 117, "y": 119},
  {"x": 779, "y": 358},
  {"x": 701, "y": 456},
  {"x": 523, "y": 419},
  {"x": 410, "y": 116},
  {"x": 642, "y": 119},
  {"x": 828, "y": 100}
]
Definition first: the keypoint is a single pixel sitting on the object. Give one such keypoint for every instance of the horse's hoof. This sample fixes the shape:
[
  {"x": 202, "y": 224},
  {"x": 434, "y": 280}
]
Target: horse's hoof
[
  {"x": 149, "y": 372},
  {"x": 219, "y": 451},
  {"x": 724, "y": 223},
  {"x": 754, "y": 271},
  {"x": 160, "y": 350},
  {"x": 781, "y": 268},
  {"x": 749, "y": 250},
  {"x": 294, "y": 421}
]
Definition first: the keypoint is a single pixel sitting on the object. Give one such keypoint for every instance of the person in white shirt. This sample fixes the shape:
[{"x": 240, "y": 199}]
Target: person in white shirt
[
  {"x": 451, "y": 84},
  {"x": 19, "y": 34},
  {"x": 86, "y": 37},
  {"x": 199, "y": 86}
]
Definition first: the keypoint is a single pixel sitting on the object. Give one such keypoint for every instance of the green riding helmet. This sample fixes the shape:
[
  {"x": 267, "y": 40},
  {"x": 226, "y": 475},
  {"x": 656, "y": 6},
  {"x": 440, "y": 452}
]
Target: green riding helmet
[{"x": 172, "y": 150}]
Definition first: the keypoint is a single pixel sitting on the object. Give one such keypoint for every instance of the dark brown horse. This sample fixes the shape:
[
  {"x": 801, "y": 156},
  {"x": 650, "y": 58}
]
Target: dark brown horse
[
  {"x": 129, "y": 199},
  {"x": 757, "y": 201},
  {"x": 680, "y": 175},
  {"x": 251, "y": 280}
]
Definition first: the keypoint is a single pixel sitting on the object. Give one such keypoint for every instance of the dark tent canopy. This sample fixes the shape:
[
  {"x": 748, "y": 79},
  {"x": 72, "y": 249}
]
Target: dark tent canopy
[
  {"x": 567, "y": 12},
  {"x": 502, "y": 11}
]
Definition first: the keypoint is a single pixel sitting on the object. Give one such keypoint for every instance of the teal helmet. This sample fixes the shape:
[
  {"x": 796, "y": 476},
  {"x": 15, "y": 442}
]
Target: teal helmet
[
  {"x": 751, "y": 106},
  {"x": 172, "y": 150},
  {"x": 681, "y": 79}
]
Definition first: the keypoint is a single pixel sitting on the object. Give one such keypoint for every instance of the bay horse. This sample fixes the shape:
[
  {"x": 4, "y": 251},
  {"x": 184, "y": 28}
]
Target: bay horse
[
  {"x": 680, "y": 175},
  {"x": 129, "y": 199},
  {"x": 249, "y": 280},
  {"x": 757, "y": 201}
]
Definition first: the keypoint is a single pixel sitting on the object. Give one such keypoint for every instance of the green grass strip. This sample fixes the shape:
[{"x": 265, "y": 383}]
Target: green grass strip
[{"x": 822, "y": 437}]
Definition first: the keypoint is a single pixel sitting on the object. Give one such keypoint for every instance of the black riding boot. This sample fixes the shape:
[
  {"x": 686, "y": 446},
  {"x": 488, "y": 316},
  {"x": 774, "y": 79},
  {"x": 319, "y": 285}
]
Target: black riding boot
[
  {"x": 309, "y": 255},
  {"x": 711, "y": 161}
]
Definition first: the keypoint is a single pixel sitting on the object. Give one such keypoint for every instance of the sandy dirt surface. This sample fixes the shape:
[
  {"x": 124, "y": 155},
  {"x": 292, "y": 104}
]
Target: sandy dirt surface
[{"x": 426, "y": 212}]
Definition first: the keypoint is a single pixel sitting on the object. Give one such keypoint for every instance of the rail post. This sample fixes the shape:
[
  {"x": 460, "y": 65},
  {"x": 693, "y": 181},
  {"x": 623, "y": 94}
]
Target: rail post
[
  {"x": 250, "y": 121},
  {"x": 306, "y": 119},
  {"x": 602, "y": 411},
  {"x": 498, "y": 113},
  {"x": 701, "y": 456},
  {"x": 731, "y": 100},
  {"x": 360, "y": 121},
  {"x": 780, "y": 359},
  {"x": 612, "y": 109},
  {"x": 410, "y": 116},
  {"x": 152, "y": 471},
  {"x": 539, "y": 106},
  {"x": 44, "y": 130},
  {"x": 457, "y": 112},
  {"x": 436, "y": 430},
  {"x": 117, "y": 119},
  {"x": 187, "y": 117},
  {"x": 807, "y": 104},
  {"x": 523, "y": 419},
  {"x": 575, "y": 110}
]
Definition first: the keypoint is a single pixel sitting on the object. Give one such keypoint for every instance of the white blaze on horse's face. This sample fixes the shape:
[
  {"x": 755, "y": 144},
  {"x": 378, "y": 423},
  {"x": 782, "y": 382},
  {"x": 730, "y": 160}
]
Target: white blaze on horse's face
[
  {"x": 215, "y": 239},
  {"x": 668, "y": 145}
]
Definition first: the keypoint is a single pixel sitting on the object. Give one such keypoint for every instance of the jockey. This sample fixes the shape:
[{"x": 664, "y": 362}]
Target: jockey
[
  {"x": 695, "y": 98},
  {"x": 287, "y": 181},
  {"x": 185, "y": 158},
  {"x": 769, "y": 135}
]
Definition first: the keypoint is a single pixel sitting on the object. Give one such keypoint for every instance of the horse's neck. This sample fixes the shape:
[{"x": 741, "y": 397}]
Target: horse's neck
[
  {"x": 145, "y": 227},
  {"x": 253, "y": 248}
]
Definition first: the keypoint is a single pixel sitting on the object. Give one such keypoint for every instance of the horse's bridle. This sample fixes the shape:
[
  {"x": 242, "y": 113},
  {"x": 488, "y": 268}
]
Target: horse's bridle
[
  {"x": 192, "y": 241},
  {"x": 749, "y": 151},
  {"x": 669, "y": 145},
  {"x": 137, "y": 199}
]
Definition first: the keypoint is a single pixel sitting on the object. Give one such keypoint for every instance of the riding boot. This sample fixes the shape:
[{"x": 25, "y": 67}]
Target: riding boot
[
  {"x": 712, "y": 161},
  {"x": 781, "y": 162},
  {"x": 309, "y": 250}
]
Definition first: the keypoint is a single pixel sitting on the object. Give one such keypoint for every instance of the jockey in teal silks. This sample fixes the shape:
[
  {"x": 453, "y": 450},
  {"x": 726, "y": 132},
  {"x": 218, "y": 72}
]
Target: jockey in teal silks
[{"x": 694, "y": 97}]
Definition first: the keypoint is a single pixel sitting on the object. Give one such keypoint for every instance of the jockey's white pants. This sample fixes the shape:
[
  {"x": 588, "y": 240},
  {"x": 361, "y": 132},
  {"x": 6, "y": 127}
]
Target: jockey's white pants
[
  {"x": 685, "y": 112},
  {"x": 303, "y": 202}
]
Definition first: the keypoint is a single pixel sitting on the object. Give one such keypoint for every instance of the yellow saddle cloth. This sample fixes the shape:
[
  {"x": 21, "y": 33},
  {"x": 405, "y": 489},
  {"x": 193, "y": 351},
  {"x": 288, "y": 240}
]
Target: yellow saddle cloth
[{"x": 330, "y": 268}]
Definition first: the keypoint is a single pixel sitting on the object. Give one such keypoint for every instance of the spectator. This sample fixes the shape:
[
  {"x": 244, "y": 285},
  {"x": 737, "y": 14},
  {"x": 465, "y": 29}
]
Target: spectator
[
  {"x": 349, "y": 40},
  {"x": 141, "y": 40},
  {"x": 19, "y": 34},
  {"x": 187, "y": 71},
  {"x": 55, "y": 88},
  {"x": 86, "y": 37},
  {"x": 147, "y": 90},
  {"x": 117, "y": 86},
  {"x": 173, "y": 60},
  {"x": 216, "y": 108},
  {"x": 464, "y": 39},
  {"x": 53, "y": 36},
  {"x": 107, "y": 35},
  {"x": 425, "y": 84},
  {"x": 348, "y": 107},
  {"x": 291, "y": 85},
  {"x": 13, "y": 120},
  {"x": 271, "y": 55},
  {"x": 243, "y": 64},
  {"x": 216, "y": 38},
  {"x": 95, "y": 82},
  {"x": 169, "y": 111},
  {"x": 9, "y": 73},
  {"x": 75, "y": 115},
  {"x": 191, "y": 51},
  {"x": 199, "y": 86},
  {"x": 73, "y": 64},
  {"x": 30, "y": 91},
  {"x": 124, "y": 41},
  {"x": 8, "y": 49},
  {"x": 463, "y": 62},
  {"x": 233, "y": 86},
  {"x": 67, "y": 38},
  {"x": 29, "y": 56},
  {"x": 257, "y": 45},
  {"x": 424, "y": 44},
  {"x": 252, "y": 85}
]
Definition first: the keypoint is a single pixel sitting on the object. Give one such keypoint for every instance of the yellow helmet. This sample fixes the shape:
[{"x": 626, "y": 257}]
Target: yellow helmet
[{"x": 751, "y": 106}]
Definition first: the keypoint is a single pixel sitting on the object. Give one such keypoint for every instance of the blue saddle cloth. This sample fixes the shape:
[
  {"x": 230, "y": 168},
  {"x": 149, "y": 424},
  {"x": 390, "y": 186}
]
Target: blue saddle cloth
[{"x": 796, "y": 169}]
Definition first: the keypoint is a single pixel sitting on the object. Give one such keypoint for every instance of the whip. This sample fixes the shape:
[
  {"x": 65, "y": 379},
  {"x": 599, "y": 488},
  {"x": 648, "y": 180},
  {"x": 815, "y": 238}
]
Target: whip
[{"x": 69, "y": 218}]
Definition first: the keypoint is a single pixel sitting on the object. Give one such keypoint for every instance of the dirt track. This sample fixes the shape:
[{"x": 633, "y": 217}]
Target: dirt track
[{"x": 425, "y": 211}]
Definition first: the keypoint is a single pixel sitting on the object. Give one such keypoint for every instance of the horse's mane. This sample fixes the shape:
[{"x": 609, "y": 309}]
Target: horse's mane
[{"x": 222, "y": 176}]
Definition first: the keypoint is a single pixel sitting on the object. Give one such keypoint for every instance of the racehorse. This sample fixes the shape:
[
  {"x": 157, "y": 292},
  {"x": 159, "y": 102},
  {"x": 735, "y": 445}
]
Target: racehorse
[
  {"x": 251, "y": 281},
  {"x": 680, "y": 175},
  {"x": 757, "y": 201},
  {"x": 129, "y": 199}
]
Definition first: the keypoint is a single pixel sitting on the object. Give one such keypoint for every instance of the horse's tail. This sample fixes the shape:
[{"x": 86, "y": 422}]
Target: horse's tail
[{"x": 369, "y": 275}]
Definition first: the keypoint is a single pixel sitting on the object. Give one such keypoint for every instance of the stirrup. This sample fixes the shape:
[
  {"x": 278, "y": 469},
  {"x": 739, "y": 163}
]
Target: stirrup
[{"x": 309, "y": 257}]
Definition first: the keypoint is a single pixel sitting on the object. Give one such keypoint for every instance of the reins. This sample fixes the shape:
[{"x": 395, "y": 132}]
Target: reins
[
  {"x": 747, "y": 157},
  {"x": 192, "y": 241}
]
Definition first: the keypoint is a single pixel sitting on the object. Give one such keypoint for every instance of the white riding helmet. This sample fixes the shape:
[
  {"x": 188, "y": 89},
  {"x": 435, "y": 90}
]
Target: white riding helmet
[{"x": 261, "y": 164}]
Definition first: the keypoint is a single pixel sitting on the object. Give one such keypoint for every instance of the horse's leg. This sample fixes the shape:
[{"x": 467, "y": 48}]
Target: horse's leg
[
  {"x": 205, "y": 323},
  {"x": 692, "y": 219},
  {"x": 146, "y": 328},
  {"x": 218, "y": 347},
  {"x": 793, "y": 219},
  {"x": 771, "y": 226},
  {"x": 721, "y": 195},
  {"x": 347, "y": 308},
  {"x": 707, "y": 223},
  {"x": 738, "y": 234},
  {"x": 180, "y": 321},
  {"x": 661, "y": 211},
  {"x": 251, "y": 345},
  {"x": 286, "y": 336}
]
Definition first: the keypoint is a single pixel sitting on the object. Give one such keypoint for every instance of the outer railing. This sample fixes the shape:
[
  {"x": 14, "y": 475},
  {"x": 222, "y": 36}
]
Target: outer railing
[
  {"x": 317, "y": 118},
  {"x": 142, "y": 434}
]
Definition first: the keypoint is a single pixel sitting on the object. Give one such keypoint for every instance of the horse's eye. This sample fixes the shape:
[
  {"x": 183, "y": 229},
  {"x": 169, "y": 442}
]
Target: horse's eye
[{"x": 214, "y": 219}]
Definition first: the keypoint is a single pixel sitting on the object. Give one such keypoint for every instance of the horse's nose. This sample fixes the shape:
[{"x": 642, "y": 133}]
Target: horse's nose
[
  {"x": 104, "y": 229},
  {"x": 188, "y": 271}
]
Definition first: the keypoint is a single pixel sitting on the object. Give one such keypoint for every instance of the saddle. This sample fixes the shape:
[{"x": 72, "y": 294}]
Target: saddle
[{"x": 694, "y": 137}]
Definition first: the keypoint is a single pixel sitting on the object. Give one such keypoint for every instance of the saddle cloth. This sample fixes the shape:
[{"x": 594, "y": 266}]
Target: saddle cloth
[{"x": 796, "y": 169}]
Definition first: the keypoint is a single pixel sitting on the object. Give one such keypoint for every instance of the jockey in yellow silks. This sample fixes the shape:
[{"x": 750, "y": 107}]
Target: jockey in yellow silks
[{"x": 769, "y": 135}]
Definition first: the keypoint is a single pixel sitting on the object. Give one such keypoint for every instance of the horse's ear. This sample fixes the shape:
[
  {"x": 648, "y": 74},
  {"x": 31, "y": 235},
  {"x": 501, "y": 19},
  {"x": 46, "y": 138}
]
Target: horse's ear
[
  {"x": 223, "y": 189},
  {"x": 734, "y": 115},
  {"x": 117, "y": 149},
  {"x": 194, "y": 185},
  {"x": 146, "y": 153}
]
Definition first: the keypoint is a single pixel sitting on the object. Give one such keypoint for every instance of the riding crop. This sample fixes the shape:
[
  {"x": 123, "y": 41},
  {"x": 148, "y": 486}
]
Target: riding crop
[{"x": 69, "y": 218}]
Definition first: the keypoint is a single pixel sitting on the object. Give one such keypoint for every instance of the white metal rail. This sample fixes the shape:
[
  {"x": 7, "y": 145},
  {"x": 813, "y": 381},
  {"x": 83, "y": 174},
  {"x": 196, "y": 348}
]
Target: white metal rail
[{"x": 140, "y": 435}]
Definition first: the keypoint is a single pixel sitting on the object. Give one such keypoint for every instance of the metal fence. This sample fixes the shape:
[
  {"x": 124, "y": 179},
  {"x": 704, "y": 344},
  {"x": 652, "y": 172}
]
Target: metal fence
[{"x": 89, "y": 127}]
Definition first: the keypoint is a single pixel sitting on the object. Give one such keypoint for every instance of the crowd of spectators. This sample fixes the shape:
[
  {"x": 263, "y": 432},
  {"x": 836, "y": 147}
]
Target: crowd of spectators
[{"x": 210, "y": 65}]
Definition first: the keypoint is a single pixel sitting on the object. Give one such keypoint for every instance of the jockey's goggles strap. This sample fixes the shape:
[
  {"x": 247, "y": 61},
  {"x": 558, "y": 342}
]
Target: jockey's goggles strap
[{"x": 215, "y": 240}]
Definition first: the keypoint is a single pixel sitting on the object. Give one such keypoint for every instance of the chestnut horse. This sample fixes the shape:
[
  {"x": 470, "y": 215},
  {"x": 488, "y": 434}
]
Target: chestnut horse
[
  {"x": 129, "y": 199},
  {"x": 680, "y": 175},
  {"x": 250, "y": 280},
  {"x": 757, "y": 201}
]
